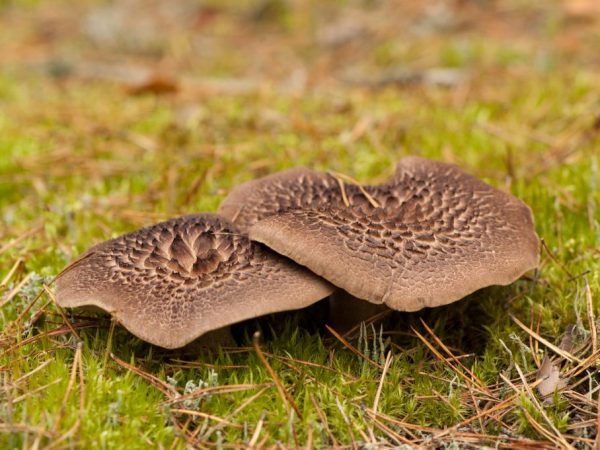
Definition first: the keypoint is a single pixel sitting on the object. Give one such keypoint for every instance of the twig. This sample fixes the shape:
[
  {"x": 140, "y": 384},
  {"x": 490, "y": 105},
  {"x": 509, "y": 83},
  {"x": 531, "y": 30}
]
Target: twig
[
  {"x": 162, "y": 386},
  {"x": 324, "y": 421},
  {"x": 70, "y": 432},
  {"x": 28, "y": 308},
  {"x": 214, "y": 390},
  {"x": 386, "y": 366},
  {"x": 257, "y": 431},
  {"x": 206, "y": 416},
  {"x": 437, "y": 354},
  {"x": 24, "y": 428},
  {"x": 107, "y": 352},
  {"x": 349, "y": 423},
  {"x": 35, "y": 391},
  {"x": 343, "y": 190},
  {"x": 239, "y": 409},
  {"x": 61, "y": 312},
  {"x": 285, "y": 395},
  {"x": 374, "y": 318},
  {"x": 539, "y": 407},
  {"x": 72, "y": 378},
  {"x": 389, "y": 432},
  {"x": 28, "y": 374},
  {"x": 81, "y": 386},
  {"x": 454, "y": 358},
  {"x": 369, "y": 197},
  {"x": 568, "y": 356},
  {"x": 12, "y": 294},
  {"x": 21, "y": 238},
  {"x": 351, "y": 347},
  {"x": 11, "y": 272},
  {"x": 555, "y": 259},
  {"x": 597, "y": 442},
  {"x": 591, "y": 318}
]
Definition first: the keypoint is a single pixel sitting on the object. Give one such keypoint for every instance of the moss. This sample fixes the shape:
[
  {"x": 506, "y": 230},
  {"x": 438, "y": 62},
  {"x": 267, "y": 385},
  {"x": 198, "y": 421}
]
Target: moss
[{"x": 83, "y": 161}]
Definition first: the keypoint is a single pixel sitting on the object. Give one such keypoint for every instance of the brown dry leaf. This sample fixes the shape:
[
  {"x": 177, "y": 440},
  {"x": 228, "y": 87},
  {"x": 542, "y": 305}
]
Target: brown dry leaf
[
  {"x": 567, "y": 343},
  {"x": 549, "y": 372},
  {"x": 155, "y": 84}
]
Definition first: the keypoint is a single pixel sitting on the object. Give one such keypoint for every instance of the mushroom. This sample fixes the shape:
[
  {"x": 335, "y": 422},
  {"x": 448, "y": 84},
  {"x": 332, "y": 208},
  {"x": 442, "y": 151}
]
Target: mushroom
[
  {"x": 431, "y": 236},
  {"x": 174, "y": 281},
  {"x": 301, "y": 188},
  {"x": 291, "y": 189}
]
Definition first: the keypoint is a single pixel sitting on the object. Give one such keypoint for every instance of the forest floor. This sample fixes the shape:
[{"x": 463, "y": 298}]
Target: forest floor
[{"x": 116, "y": 115}]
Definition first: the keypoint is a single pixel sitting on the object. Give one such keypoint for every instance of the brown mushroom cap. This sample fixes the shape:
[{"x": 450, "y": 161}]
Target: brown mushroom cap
[
  {"x": 174, "y": 281},
  {"x": 291, "y": 189},
  {"x": 439, "y": 235}
]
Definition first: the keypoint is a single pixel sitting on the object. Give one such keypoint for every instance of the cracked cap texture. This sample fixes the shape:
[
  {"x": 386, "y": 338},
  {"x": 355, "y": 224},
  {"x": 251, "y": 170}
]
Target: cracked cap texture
[
  {"x": 436, "y": 235},
  {"x": 283, "y": 191},
  {"x": 174, "y": 281}
]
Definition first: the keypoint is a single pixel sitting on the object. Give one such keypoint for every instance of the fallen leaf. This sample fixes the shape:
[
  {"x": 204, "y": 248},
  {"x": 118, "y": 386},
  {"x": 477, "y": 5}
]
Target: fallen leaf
[
  {"x": 549, "y": 373},
  {"x": 567, "y": 343},
  {"x": 154, "y": 84}
]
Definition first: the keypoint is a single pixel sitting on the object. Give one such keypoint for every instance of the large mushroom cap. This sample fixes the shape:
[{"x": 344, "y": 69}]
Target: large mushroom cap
[
  {"x": 174, "y": 281},
  {"x": 439, "y": 235}
]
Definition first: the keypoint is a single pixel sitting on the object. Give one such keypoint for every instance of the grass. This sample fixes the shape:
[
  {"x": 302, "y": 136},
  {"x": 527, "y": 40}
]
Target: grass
[{"x": 84, "y": 160}]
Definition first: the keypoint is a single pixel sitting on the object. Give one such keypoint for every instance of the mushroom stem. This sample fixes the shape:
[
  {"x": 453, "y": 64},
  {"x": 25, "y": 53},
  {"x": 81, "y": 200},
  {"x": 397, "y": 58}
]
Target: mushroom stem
[
  {"x": 347, "y": 311},
  {"x": 212, "y": 340}
]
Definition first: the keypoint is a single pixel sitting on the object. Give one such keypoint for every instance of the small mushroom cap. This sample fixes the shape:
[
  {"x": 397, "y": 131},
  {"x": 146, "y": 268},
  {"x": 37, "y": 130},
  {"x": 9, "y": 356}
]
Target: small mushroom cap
[
  {"x": 174, "y": 281},
  {"x": 439, "y": 235}
]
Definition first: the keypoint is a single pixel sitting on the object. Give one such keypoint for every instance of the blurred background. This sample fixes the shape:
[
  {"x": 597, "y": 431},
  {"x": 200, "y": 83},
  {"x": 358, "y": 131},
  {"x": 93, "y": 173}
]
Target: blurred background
[
  {"x": 139, "y": 109},
  {"x": 118, "y": 114},
  {"x": 195, "y": 47}
]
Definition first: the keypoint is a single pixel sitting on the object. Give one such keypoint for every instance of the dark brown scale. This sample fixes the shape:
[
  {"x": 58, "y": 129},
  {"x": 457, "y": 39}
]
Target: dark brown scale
[{"x": 207, "y": 263}]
